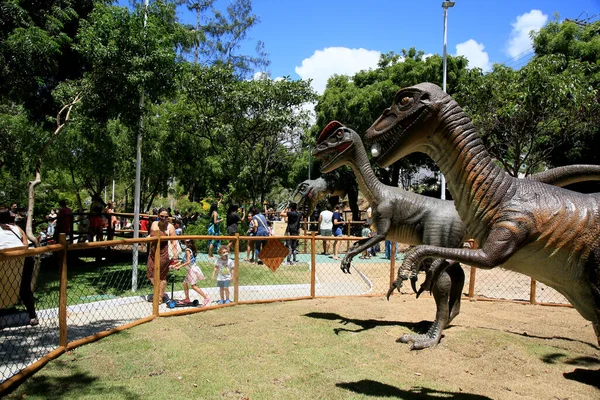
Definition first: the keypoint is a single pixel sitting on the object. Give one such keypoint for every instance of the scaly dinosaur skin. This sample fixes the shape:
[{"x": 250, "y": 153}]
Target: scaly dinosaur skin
[
  {"x": 548, "y": 233},
  {"x": 401, "y": 216},
  {"x": 395, "y": 218}
]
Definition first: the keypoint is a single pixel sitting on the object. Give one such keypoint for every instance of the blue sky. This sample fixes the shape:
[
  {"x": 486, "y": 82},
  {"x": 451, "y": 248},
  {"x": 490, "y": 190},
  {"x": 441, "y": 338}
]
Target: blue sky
[{"x": 317, "y": 38}]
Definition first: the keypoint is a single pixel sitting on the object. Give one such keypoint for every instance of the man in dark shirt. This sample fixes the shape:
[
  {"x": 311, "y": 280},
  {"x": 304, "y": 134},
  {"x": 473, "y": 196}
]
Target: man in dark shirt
[
  {"x": 293, "y": 229},
  {"x": 64, "y": 221}
]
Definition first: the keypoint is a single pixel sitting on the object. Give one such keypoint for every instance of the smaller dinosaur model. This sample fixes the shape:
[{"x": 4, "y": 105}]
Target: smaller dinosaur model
[{"x": 336, "y": 185}]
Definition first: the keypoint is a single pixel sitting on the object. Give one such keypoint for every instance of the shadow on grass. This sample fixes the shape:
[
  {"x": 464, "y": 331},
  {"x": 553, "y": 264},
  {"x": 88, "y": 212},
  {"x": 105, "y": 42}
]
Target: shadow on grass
[
  {"x": 585, "y": 376},
  {"x": 75, "y": 384},
  {"x": 366, "y": 324},
  {"x": 369, "y": 387}
]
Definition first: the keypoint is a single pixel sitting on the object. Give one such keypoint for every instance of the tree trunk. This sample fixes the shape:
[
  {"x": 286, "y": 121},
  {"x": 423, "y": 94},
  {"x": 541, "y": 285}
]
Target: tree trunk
[{"x": 38, "y": 168}]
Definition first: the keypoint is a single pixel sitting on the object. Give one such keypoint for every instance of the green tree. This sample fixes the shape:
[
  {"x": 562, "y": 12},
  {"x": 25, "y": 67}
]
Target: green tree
[{"x": 357, "y": 101}]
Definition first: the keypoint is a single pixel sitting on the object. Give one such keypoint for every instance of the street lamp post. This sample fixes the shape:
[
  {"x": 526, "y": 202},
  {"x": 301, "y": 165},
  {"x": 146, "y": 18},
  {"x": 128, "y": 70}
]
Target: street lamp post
[
  {"x": 445, "y": 5},
  {"x": 309, "y": 161}
]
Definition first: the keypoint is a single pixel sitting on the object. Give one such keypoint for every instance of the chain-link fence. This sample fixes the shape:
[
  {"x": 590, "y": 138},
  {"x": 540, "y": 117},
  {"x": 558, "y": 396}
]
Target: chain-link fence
[{"x": 57, "y": 297}]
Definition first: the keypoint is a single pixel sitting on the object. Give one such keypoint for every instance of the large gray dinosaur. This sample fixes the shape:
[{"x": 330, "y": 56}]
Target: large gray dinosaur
[
  {"x": 548, "y": 233},
  {"x": 410, "y": 218}
]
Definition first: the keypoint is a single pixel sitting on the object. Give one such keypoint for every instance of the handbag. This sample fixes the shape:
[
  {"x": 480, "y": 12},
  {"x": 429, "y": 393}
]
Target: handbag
[{"x": 266, "y": 227}]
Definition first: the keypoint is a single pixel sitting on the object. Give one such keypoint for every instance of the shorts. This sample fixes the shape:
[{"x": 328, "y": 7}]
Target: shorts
[
  {"x": 338, "y": 232},
  {"x": 326, "y": 232},
  {"x": 223, "y": 284}
]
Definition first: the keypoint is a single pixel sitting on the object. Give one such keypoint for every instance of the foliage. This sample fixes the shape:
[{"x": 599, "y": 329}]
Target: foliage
[
  {"x": 544, "y": 114},
  {"x": 357, "y": 101}
]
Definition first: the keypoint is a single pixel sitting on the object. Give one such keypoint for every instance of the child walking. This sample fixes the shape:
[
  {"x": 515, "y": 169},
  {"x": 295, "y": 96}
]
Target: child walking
[
  {"x": 224, "y": 267},
  {"x": 194, "y": 274},
  {"x": 366, "y": 232}
]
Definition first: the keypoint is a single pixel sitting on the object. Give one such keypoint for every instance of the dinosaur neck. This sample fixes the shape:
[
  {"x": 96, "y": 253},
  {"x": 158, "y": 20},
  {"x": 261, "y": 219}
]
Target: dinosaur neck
[
  {"x": 477, "y": 184},
  {"x": 367, "y": 181}
]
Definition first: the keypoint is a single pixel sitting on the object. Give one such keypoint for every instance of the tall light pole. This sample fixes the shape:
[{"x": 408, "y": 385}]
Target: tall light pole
[
  {"x": 309, "y": 161},
  {"x": 138, "y": 176},
  {"x": 445, "y": 5}
]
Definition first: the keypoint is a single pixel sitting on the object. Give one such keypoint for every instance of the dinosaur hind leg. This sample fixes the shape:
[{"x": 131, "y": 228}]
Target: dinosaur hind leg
[
  {"x": 457, "y": 276},
  {"x": 441, "y": 293},
  {"x": 592, "y": 269}
]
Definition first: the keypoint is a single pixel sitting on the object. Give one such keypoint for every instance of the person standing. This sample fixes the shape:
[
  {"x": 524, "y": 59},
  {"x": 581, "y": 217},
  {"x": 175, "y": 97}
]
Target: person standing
[
  {"x": 292, "y": 216},
  {"x": 18, "y": 269},
  {"x": 162, "y": 227},
  {"x": 326, "y": 225},
  {"x": 223, "y": 269},
  {"x": 261, "y": 228},
  {"x": 64, "y": 221},
  {"x": 51, "y": 223},
  {"x": 338, "y": 231},
  {"x": 214, "y": 226},
  {"x": 233, "y": 220},
  {"x": 111, "y": 220}
]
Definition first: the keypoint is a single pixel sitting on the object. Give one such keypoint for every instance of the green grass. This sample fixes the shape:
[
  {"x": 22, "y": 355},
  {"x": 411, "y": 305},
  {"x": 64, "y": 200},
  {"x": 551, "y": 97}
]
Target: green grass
[
  {"x": 90, "y": 281},
  {"x": 224, "y": 354}
]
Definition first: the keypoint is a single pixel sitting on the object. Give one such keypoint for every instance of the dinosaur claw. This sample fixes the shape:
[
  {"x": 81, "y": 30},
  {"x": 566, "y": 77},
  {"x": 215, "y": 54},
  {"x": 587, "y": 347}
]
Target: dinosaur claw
[
  {"x": 413, "y": 284},
  {"x": 421, "y": 290},
  {"x": 389, "y": 293}
]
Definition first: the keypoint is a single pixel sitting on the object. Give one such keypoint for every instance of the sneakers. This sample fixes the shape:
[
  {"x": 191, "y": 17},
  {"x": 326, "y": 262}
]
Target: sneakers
[
  {"x": 227, "y": 301},
  {"x": 34, "y": 322},
  {"x": 220, "y": 302},
  {"x": 206, "y": 301}
]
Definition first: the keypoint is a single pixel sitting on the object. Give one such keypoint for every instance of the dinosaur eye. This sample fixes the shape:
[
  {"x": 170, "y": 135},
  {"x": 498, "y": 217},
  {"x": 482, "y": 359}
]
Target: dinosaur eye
[
  {"x": 340, "y": 133},
  {"x": 404, "y": 101}
]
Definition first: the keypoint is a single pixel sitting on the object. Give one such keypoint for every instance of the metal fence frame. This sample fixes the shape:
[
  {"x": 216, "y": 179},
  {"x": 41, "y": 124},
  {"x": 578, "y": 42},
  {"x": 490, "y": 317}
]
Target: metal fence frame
[{"x": 62, "y": 249}]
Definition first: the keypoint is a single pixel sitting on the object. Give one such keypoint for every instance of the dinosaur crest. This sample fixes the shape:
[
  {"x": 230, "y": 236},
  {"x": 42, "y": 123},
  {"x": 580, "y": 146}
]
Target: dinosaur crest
[{"x": 329, "y": 130}]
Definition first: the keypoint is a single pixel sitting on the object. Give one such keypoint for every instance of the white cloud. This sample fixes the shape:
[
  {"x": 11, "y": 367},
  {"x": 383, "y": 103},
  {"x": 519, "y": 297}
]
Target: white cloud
[
  {"x": 473, "y": 51},
  {"x": 520, "y": 41},
  {"x": 335, "y": 60}
]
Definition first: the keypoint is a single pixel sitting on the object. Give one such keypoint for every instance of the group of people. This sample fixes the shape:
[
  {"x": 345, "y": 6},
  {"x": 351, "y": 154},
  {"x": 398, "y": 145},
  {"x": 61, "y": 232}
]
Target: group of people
[
  {"x": 331, "y": 223},
  {"x": 173, "y": 255}
]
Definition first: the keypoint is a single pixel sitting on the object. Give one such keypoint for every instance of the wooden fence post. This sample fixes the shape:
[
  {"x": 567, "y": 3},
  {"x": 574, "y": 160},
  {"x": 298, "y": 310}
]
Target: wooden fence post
[
  {"x": 313, "y": 263},
  {"x": 532, "y": 291},
  {"x": 155, "y": 297},
  {"x": 236, "y": 269},
  {"x": 63, "y": 338}
]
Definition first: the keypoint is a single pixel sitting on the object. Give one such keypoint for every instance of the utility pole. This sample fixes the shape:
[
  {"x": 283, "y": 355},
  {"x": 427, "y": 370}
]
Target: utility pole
[
  {"x": 138, "y": 178},
  {"x": 445, "y": 5}
]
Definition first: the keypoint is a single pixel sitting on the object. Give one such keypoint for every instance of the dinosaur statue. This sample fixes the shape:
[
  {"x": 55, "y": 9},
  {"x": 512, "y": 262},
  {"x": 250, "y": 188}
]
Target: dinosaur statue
[
  {"x": 401, "y": 216},
  {"x": 337, "y": 185},
  {"x": 548, "y": 233},
  {"x": 410, "y": 218}
]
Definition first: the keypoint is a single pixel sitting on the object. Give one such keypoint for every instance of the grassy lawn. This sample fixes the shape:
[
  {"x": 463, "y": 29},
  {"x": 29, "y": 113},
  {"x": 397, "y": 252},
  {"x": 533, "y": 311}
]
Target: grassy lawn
[
  {"x": 90, "y": 281},
  {"x": 333, "y": 349}
]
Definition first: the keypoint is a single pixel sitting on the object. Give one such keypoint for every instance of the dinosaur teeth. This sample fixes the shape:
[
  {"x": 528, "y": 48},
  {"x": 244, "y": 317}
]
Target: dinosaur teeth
[{"x": 375, "y": 150}]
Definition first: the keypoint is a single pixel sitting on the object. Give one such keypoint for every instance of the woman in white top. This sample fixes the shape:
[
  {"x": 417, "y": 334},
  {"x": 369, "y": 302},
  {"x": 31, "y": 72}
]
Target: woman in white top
[{"x": 15, "y": 273}]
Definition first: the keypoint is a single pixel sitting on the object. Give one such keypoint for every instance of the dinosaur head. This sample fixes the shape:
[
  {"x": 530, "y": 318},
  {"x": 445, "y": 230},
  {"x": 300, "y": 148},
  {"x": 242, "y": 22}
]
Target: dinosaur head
[
  {"x": 407, "y": 125},
  {"x": 335, "y": 146}
]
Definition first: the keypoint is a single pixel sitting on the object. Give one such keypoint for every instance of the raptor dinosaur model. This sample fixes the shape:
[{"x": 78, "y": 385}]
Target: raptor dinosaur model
[
  {"x": 401, "y": 216},
  {"x": 337, "y": 185},
  {"x": 548, "y": 233},
  {"x": 410, "y": 218}
]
